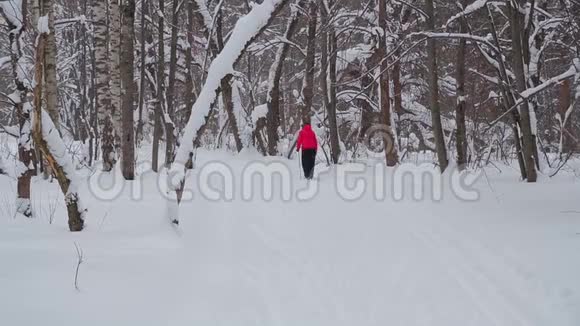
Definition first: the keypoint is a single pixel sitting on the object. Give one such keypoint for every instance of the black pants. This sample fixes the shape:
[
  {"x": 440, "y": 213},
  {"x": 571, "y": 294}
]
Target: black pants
[{"x": 308, "y": 160}]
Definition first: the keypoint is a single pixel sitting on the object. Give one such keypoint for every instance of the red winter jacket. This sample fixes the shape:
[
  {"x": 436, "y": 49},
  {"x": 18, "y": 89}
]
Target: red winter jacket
[{"x": 306, "y": 139}]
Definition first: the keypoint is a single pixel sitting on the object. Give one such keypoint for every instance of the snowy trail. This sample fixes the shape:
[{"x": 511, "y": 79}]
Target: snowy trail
[{"x": 321, "y": 262}]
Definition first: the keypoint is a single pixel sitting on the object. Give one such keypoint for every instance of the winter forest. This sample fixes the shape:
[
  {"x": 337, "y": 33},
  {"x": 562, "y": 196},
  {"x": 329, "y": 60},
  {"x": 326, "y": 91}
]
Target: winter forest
[{"x": 142, "y": 123}]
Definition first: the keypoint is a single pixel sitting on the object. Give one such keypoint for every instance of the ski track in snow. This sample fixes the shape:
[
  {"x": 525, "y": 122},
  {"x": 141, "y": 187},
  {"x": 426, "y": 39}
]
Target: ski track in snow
[{"x": 322, "y": 262}]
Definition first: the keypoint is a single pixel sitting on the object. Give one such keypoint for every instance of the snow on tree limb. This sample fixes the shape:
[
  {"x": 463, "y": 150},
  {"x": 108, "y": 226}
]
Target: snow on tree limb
[
  {"x": 12, "y": 12},
  {"x": 475, "y": 6},
  {"x": 573, "y": 72},
  {"x": 246, "y": 30},
  {"x": 469, "y": 37}
]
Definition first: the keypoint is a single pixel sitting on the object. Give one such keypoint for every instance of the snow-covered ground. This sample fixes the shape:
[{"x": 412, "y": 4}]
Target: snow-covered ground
[{"x": 510, "y": 258}]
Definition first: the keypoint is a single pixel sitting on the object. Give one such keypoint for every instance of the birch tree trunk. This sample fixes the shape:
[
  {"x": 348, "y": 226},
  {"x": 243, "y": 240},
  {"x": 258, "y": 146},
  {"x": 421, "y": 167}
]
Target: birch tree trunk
[
  {"x": 434, "y": 90},
  {"x": 48, "y": 139},
  {"x": 201, "y": 110},
  {"x": 26, "y": 153},
  {"x": 50, "y": 55},
  {"x": 102, "y": 89},
  {"x": 128, "y": 89}
]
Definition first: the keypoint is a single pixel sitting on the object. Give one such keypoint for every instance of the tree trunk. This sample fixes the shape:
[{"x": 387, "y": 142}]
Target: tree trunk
[
  {"x": 115, "y": 70},
  {"x": 384, "y": 90},
  {"x": 159, "y": 110},
  {"x": 328, "y": 83},
  {"x": 332, "y": 118},
  {"x": 309, "y": 62},
  {"x": 128, "y": 89},
  {"x": 103, "y": 93},
  {"x": 434, "y": 90},
  {"x": 565, "y": 107},
  {"x": 50, "y": 55},
  {"x": 461, "y": 132},
  {"x": 26, "y": 153},
  {"x": 140, "y": 122},
  {"x": 189, "y": 86},
  {"x": 170, "y": 125},
  {"x": 508, "y": 98},
  {"x": 274, "y": 93},
  {"x": 518, "y": 63},
  {"x": 46, "y": 137}
]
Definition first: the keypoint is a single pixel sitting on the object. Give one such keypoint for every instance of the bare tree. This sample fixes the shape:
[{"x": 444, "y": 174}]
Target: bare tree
[
  {"x": 127, "y": 89},
  {"x": 432, "y": 68},
  {"x": 460, "y": 132},
  {"x": 274, "y": 96},
  {"x": 384, "y": 89},
  {"x": 328, "y": 80},
  {"x": 517, "y": 32}
]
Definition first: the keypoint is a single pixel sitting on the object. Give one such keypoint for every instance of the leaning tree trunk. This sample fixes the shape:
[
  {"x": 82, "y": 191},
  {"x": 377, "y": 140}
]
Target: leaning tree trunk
[
  {"x": 102, "y": 89},
  {"x": 127, "y": 89},
  {"x": 273, "y": 115},
  {"x": 247, "y": 29},
  {"x": 384, "y": 90},
  {"x": 461, "y": 133},
  {"x": 518, "y": 63},
  {"x": 434, "y": 90},
  {"x": 26, "y": 154},
  {"x": 48, "y": 139}
]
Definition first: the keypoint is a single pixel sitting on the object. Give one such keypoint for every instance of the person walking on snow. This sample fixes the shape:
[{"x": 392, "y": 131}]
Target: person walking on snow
[{"x": 309, "y": 145}]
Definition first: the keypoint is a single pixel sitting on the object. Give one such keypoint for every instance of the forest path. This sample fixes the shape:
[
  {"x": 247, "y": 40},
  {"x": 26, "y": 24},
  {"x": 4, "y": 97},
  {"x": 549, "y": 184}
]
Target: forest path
[{"x": 509, "y": 258}]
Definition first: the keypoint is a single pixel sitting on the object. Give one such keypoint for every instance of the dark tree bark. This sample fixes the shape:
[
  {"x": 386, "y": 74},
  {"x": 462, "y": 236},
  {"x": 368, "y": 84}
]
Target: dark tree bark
[
  {"x": 127, "y": 89},
  {"x": 328, "y": 82},
  {"x": 385, "y": 98},
  {"x": 309, "y": 61},
  {"x": 170, "y": 125},
  {"x": 159, "y": 110},
  {"x": 142, "y": 91},
  {"x": 434, "y": 90},
  {"x": 274, "y": 93},
  {"x": 461, "y": 132},
  {"x": 517, "y": 30}
]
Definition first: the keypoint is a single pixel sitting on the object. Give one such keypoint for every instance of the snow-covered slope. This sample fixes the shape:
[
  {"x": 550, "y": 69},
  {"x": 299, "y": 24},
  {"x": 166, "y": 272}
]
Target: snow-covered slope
[{"x": 509, "y": 258}]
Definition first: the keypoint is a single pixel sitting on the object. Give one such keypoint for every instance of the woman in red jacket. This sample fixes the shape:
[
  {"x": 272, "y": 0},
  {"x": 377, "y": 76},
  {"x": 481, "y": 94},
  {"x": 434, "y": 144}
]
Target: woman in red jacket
[{"x": 309, "y": 145}]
